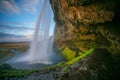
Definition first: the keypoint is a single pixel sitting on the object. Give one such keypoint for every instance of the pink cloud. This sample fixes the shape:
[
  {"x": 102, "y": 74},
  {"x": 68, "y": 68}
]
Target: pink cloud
[
  {"x": 14, "y": 39},
  {"x": 30, "y": 5},
  {"x": 14, "y": 7},
  {"x": 9, "y": 6}
]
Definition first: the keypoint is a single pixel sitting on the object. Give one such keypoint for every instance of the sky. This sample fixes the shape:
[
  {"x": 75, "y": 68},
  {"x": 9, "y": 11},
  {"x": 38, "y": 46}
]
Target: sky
[{"x": 18, "y": 19}]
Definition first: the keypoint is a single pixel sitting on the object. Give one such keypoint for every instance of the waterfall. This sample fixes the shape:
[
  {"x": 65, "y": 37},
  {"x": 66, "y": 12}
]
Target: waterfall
[
  {"x": 40, "y": 48},
  {"x": 41, "y": 45},
  {"x": 40, "y": 53}
]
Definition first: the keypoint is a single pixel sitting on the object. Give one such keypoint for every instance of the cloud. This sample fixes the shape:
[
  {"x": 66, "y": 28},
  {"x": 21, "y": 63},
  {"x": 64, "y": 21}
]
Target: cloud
[
  {"x": 8, "y": 6},
  {"x": 15, "y": 40},
  {"x": 30, "y": 5},
  {"x": 20, "y": 27},
  {"x": 3, "y": 35},
  {"x": 17, "y": 25},
  {"x": 16, "y": 6},
  {"x": 7, "y": 37}
]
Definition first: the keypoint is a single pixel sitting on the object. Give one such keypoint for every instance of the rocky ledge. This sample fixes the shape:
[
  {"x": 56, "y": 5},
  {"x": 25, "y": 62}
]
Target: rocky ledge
[
  {"x": 99, "y": 65},
  {"x": 84, "y": 24}
]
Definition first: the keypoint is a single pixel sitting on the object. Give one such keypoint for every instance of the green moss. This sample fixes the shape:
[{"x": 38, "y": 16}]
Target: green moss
[
  {"x": 59, "y": 64},
  {"x": 61, "y": 48},
  {"x": 83, "y": 45},
  {"x": 68, "y": 54},
  {"x": 80, "y": 57},
  {"x": 15, "y": 73},
  {"x": 66, "y": 68},
  {"x": 69, "y": 63},
  {"x": 66, "y": 65}
]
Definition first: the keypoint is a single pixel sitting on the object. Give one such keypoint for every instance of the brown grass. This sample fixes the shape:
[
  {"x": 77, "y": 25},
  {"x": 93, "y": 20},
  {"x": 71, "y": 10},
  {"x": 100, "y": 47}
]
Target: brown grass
[{"x": 17, "y": 46}]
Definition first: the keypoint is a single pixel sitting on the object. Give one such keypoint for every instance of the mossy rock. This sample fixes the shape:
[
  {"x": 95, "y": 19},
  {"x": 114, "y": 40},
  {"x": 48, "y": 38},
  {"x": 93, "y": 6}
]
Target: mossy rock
[
  {"x": 68, "y": 53},
  {"x": 5, "y": 67}
]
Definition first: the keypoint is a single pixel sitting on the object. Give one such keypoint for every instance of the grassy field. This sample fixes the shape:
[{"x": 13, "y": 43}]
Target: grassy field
[
  {"x": 21, "y": 46},
  {"x": 5, "y": 48},
  {"x": 13, "y": 44},
  {"x": 5, "y": 53}
]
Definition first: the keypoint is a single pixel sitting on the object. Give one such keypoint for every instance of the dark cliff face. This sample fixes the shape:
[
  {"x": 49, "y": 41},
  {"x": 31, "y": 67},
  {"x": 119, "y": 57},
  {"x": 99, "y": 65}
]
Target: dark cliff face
[{"x": 84, "y": 24}]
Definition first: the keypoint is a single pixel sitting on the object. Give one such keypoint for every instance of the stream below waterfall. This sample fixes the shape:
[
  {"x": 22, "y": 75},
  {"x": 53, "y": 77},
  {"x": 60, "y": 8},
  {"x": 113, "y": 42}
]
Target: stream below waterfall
[{"x": 25, "y": 65}]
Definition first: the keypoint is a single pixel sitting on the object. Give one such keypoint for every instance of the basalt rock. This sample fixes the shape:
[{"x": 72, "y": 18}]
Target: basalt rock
[
  {"x": 97, "y": 66},
  {"x": 87, "y": 23}
]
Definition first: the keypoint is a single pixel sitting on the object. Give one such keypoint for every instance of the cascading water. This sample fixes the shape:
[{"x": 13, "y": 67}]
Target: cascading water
[
  {"x": 40, "y": 45},
  {"x": 40, "y": 53}
]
